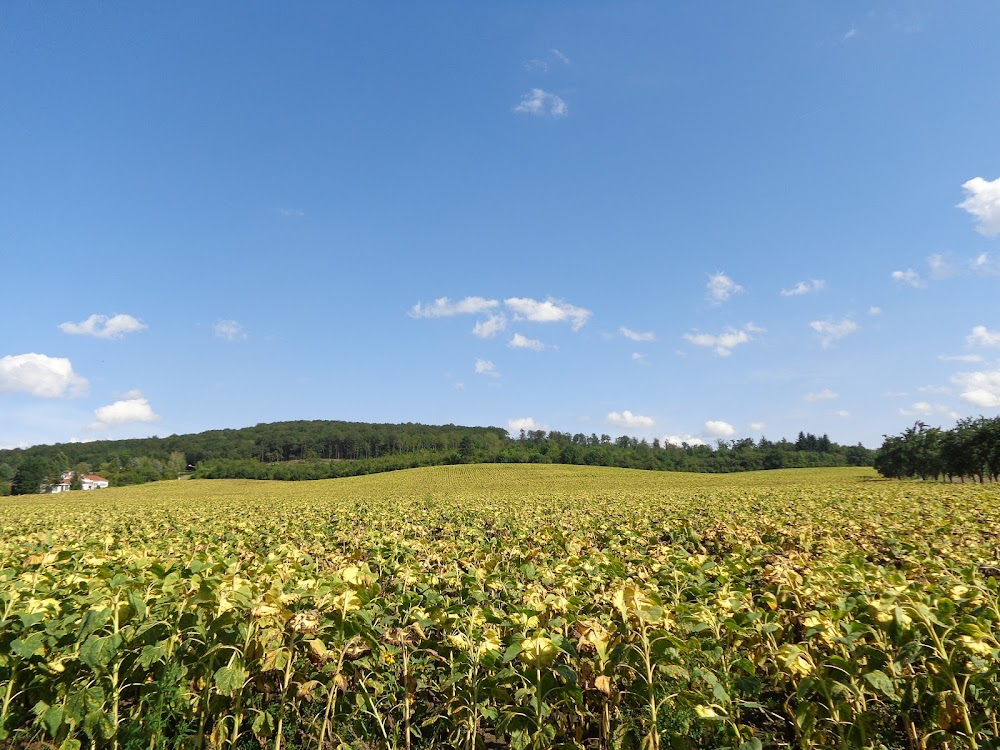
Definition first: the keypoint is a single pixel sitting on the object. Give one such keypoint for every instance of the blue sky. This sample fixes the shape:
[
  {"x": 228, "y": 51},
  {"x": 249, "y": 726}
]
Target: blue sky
[{"x": 670, "y": 220}]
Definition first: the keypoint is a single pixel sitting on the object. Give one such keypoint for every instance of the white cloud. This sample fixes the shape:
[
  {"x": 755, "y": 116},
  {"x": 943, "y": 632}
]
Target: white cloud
[
  {"x": 909, "y": 276},
  {"x": 548, "y": 311},
  {"x": 718, "y": 429},
  {"x": 522, "y": 423},
  {"x": 985, "y": 265},
  {"x": 982, "y": 336},
  {"x": 926, "y": 409},
  {"x": 725, "y": 342},
  {"x": 940, "y": 267},
  {"x": 824, "y": 395},
  {"x": 804, "y": 287},
  {"x": 486, "y": 329},
  {"x": 40, "y": 375},
  {"x": 292, "y": 212},
  {"x": 103, "y": 327},
  {"x": 960, "y": 357},
  {"x": 830, "y": 331},
  {"x": 445, "y": 308},
  {"x": 541, "y": 103},
  {"x": 895, "y": 394},
  {"x": 628, "y": 420},
  {"x": 874, "y": 310},
  {"x": 519, "y": 341},
  {"x": 126, "y": 411},
  {"x": 721, "y": 288},
  {"x": 757, "y": 426},
  {"x": 983, "y": 202},
  {"x": 981, "y": 389},
  {"x": 230, "y": 330},
  {"x": 680, "y": 440},
  {"x": 841, "y": 413},
  {"x": 636, "y": 335},
  {"x": 849, "y": 34},
  {"x": 486, "y": 367},
  {"x": 544, "y": 64},
  {"x": 640, "y": 358}
]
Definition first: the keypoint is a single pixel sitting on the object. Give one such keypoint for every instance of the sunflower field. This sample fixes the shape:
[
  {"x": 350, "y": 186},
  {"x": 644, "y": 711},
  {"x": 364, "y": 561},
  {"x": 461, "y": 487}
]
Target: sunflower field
[{"x": 500, "y": 606}]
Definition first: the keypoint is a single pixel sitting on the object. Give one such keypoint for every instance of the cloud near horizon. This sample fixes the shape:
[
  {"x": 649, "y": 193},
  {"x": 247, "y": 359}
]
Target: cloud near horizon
[
  {"x": 134, "y": 408},
  {"x": 630, "y": 421}
]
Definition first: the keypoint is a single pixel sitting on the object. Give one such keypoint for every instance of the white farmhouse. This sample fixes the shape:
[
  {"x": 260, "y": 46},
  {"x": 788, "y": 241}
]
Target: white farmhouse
[{"x": 92, "y": 482}]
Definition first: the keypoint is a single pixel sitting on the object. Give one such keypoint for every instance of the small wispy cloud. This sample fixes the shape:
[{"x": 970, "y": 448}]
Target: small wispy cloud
[
  {"x": 874, "y": 310},
  {"x": 542, "y": 103},
  {"x": 443, "y": 307},
  {"x": 843, "y": 413},
  {"x": 230, "y": 330},
  {"x": 637, "y": 335},
  {"x": 294, "y": 213},
  {"x": 487, "y": 329},
  {"x": 960, "y": 357},
  {"x": 908, "y": 277},
  {"x": 519, "y": 341},
  {"x": 546, "y": 62},
  {"x": 104, "y": 327},
  {"x": 849, "y": 34},
  {"x": 757, "y": 426},
  {"x": 804, "y": 287},
  {"x": 983, "y": 336},
  {"x": 724, "y": 343},
  {"x": 983, "y": 202},
  {"x": 824, "y": 395},
  {"x": 640, "y": 359},
  {"x": 927, "y": 409},
  {"x": 548, "y": 310},
  {"x": 487, "y": 368},
  {"x": 720, "y": 288},
  {"x": 832, "y": 331}
]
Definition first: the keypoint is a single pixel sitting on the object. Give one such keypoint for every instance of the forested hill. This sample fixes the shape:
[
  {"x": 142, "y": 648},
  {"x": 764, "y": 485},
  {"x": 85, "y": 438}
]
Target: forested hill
[{"x": 325, "y": 449}]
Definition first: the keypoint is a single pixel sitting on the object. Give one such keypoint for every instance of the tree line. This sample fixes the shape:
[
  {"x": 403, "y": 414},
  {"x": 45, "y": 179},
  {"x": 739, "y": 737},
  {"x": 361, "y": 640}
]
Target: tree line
[
  {"x": 325, "y": 449},
  {"x": 970, "y": 450}
]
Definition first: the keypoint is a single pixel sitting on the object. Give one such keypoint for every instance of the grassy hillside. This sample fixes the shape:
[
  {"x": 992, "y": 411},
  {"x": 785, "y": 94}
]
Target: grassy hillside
[{"x": 506, "y": 606}]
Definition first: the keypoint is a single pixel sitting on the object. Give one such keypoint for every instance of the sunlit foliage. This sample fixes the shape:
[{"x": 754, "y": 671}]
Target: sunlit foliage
[{"x": 505, "y": 606}]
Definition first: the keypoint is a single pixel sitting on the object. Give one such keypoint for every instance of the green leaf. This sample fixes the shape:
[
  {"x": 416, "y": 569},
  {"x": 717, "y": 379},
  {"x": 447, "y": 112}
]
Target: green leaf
[
  {"x": 752, "y": 744},
  {"x": 27, "y": 647},
  {"x": 881, "y": 683},
  {"x": 230, "y": 680}
]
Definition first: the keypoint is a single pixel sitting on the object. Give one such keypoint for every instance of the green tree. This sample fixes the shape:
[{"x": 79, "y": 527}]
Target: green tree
[{"x": 31, "y": 475}]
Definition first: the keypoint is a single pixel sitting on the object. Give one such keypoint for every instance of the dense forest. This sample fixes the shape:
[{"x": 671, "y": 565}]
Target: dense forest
[
  {"x": 970, "y": 450},
  {"x": 326, "y": 449}
]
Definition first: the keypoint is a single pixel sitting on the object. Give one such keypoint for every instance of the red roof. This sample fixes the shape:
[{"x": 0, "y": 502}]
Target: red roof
[{"x": 92, "y": 478}]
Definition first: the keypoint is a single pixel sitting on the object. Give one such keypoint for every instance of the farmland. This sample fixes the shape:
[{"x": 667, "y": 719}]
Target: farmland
[{"x": 505, "y": 606}]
